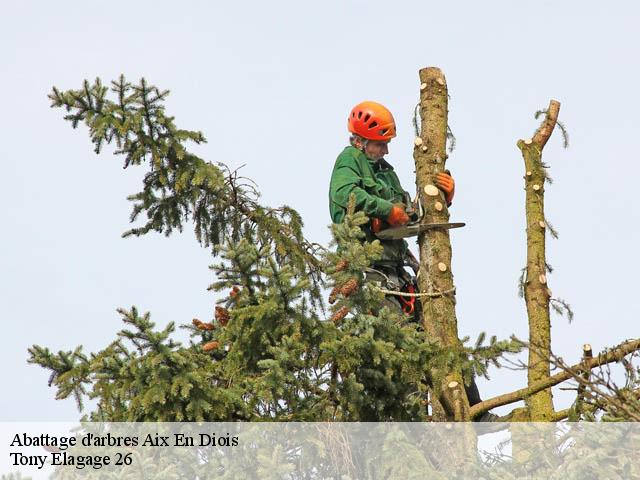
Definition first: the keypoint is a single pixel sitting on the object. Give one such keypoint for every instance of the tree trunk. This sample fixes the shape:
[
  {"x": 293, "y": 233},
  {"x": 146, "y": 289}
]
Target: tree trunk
[
  {"x": 435, "y": 277},
  {"x": 536, "y": 288}
]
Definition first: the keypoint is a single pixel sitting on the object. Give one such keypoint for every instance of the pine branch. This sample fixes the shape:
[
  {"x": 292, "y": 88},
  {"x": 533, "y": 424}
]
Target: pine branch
[
  {"x": 482, "y": 356},
  {"x": 180, "y": 187}
]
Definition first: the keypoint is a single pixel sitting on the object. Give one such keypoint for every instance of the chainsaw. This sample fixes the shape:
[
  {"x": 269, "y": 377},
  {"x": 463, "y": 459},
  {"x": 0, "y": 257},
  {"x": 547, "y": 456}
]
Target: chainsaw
[{"x": 415, "y": 211}]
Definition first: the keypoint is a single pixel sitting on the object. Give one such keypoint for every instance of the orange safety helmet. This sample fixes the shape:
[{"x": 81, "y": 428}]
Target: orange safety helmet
[{"x": 372, "y": 121}]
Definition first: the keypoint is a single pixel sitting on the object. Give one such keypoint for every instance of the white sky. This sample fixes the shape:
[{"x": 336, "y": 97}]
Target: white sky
[{"x": 270, "y": 85}]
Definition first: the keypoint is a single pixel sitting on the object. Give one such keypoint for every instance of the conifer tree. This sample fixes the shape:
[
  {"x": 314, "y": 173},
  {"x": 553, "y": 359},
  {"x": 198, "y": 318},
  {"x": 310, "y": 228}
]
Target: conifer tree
[{"x": 271, "y": 349}]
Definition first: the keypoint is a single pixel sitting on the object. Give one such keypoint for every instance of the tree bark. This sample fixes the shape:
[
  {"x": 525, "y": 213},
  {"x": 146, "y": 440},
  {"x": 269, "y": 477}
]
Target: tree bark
[
  {"x": 435, "y": 276},
  {"x": 536, "y": 289},
  {"x": 587, "y": 354}
]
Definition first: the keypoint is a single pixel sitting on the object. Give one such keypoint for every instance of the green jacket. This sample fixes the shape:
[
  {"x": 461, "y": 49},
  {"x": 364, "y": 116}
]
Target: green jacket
[{"x": 376, "y": 187}]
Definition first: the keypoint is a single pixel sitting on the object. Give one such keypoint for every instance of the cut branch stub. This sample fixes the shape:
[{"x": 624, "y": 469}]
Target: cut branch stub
[
  {"x": 431, "y": 190},
  {"x": 587, "y": 354},
  {"x": 456, "y": 396}
]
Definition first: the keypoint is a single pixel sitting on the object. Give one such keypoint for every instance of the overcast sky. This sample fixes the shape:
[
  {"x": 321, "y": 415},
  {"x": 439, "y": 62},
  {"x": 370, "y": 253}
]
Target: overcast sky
[{"x": 270, "y": 84}]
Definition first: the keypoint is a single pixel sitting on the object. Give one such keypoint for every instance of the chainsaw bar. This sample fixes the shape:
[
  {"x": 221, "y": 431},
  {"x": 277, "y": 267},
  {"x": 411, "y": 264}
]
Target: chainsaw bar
[{"x": 405, "y": 231}]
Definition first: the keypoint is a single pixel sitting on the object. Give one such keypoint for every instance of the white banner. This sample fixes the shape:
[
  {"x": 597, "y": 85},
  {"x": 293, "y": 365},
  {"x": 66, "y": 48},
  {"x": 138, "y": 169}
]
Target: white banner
[{"x": 321, "y": 450}]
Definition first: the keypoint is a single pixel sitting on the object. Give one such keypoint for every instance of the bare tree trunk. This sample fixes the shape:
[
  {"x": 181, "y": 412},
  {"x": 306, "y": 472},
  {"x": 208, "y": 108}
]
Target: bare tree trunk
[
  {"x": 536, "y": 289},
  {"x": 435, "y": 277}
]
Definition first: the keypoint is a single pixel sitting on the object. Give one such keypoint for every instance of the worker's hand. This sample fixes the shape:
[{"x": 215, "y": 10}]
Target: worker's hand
[
  {"x": 397, "y": 216},
  {"x": 445, "y": 182}
]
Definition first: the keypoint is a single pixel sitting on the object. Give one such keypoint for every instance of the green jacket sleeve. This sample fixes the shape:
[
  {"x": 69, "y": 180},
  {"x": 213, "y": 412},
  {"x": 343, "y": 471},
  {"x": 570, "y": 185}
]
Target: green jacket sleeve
[{"x": 347, "y": 179}]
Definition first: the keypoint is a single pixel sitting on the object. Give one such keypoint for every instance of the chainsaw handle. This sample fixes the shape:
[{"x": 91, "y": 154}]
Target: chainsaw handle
[{"x": 376, "y": 225}]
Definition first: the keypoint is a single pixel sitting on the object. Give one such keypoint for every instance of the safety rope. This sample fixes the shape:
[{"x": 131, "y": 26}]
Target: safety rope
[{"x": 425, "y": 294}]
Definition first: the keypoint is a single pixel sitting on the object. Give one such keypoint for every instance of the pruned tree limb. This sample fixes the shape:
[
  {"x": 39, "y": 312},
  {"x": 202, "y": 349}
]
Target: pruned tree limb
[
  {"x": 587, "y": 353},
  {"x": 535, "y": 284},
  {"x": 544, "y": 132},
  {"x": 603, "y": 358}
]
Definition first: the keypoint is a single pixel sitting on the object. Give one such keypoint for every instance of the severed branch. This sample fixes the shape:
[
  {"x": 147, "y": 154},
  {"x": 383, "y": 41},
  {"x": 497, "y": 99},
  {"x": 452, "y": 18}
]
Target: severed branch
[
  {"x": 574, "y": 371},
  {"x": 587, "y": 354},
  {"x": 544, "y": 132}
]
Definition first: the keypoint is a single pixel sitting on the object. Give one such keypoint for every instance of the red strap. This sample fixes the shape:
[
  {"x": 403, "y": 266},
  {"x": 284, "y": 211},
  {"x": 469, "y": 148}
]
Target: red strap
[{"x": 408, "y": 303}]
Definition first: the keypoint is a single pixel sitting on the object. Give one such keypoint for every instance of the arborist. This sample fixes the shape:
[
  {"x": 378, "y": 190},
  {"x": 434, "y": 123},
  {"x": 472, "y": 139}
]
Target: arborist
[{"x": 361, "y": 169}]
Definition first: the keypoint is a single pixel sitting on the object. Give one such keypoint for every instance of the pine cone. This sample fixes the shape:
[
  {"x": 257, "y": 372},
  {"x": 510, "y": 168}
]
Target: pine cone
[
  {"x": 207, "y": 347},
  {"x": 222, "y": 315},
  {"x": 340, "y": 314},
  {"x": 234, "y": 291},
  {"x": 333, "y": 295},
  {"x": 205, "y": 326},
  {"x": 196, "y": 323},
  {"x": 341, "y": 265},
  {"x": 349, "y": 287}
]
